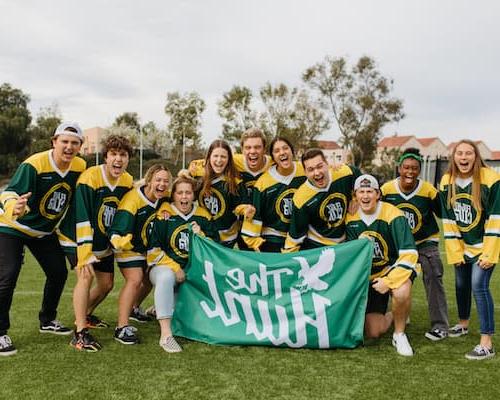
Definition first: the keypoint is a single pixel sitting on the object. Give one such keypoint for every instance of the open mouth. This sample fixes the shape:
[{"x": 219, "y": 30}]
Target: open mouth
[{"x": 253, "y": 159}]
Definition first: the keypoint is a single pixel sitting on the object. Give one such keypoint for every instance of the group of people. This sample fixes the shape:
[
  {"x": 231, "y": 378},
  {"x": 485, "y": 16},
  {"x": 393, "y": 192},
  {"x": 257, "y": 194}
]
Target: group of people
[{"x": 253, "y": 202}]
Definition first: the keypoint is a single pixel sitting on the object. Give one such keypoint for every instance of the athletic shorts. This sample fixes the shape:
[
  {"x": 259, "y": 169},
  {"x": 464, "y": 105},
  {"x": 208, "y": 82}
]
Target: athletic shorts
[
  {"x": 377, "y": 302},
  {"x": 130, "y": 259},
  {"x": 106, "y": 264}
]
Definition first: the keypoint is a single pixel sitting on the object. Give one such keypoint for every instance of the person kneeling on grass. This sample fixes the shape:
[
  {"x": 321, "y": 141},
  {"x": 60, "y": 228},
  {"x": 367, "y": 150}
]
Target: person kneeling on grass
[
  {"x": 168, "y": 252},
  {"x": 394, "y": 264}
]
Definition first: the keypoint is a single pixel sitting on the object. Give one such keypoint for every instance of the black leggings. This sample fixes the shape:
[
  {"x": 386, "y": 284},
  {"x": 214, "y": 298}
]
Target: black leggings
[{"x": 49, "y": 255}]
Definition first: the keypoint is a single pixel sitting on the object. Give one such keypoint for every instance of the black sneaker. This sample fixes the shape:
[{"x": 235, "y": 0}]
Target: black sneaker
[
  {"x": 54, "y": 327},
  {"x": 139, "y": 315},
  {"x": 436, "y": 334},
  {"x": 6, "y": 346},
  {"x": 126, "y": 335},
  {"x": 458, "y": 330},
  {"x": 94, "y": 321},
  {"x": 84, "y": 341},
  {"x": 480, "y": 353}
]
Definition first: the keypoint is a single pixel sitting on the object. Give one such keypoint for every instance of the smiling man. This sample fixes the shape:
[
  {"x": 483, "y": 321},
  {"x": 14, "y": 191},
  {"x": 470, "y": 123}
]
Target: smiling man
[
  {"x": 420, "y": 202},
  {"x": 98, "y": 195},
  {"x": 394, "y": 264},
  {"x": 36, "y": 199},
  {"x": 320, "y": 204}
]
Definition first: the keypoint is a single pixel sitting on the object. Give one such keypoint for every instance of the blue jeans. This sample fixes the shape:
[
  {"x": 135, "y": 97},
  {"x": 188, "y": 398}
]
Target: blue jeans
[{"x": 470, "y": 277}]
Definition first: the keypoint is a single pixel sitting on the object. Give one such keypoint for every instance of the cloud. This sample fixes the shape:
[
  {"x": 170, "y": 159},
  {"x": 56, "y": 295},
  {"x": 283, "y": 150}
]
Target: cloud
[{"x": 98, "y": 59}]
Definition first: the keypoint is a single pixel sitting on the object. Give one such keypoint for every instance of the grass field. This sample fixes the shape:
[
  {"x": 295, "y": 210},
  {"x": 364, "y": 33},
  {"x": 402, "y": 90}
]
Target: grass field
[{"x": 46, "y": 367}]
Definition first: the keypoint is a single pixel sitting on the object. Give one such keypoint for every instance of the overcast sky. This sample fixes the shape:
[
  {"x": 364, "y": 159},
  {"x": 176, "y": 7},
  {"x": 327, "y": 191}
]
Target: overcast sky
[{"x": 98, "y": 59}]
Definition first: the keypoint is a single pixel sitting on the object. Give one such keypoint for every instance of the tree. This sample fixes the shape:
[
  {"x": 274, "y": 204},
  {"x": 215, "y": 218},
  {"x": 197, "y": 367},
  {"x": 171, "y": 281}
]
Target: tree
[
  {"x": 184, "y": 113},
  {"x": 236, "y": 112},
  {"x": 157, "y": 140},
  {"x": 385, "y": 169},
  {"x": 15, "y": 119},
  {"x": 289, "y": 112},
  {"x": 277, "y": 119},
  {"x": 359, "y": 100},
  {"x": 309, "y": 121},
  {"x": 130, "y": 119},
  {"x": 46, "y": 123}
]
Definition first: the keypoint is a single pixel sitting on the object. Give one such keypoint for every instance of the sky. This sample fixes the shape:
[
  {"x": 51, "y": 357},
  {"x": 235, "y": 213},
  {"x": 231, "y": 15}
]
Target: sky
[{"x": 98, "y": 59}]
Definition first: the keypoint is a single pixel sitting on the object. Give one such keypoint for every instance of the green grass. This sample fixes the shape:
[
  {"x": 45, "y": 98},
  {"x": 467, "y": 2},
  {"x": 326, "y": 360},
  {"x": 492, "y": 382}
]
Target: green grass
[{"x": 46, "y": 367}]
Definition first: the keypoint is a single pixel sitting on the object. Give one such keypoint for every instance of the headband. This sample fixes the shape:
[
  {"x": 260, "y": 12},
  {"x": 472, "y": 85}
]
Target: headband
[{"x": 410, "y": 155}]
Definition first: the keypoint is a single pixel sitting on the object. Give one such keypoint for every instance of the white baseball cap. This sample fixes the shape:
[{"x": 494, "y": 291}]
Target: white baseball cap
[
  {"x": 366, "y": 181},
  {"x": 68, "y": 128}
]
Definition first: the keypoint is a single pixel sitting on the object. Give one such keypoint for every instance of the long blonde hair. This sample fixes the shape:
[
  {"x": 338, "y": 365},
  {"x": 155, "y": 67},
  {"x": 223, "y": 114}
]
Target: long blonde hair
[{"x": 476, "y": 176}]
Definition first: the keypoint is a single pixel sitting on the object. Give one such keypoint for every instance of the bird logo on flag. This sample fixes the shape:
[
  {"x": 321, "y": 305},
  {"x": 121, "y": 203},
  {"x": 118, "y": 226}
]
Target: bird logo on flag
[{"x": 311, "y": 275}]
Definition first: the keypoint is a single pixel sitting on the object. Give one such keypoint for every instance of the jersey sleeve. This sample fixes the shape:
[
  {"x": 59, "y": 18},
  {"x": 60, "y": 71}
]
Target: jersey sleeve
[
  {"x": 406, "y": 263},
  {"x": 122, "y": 229},
  {"x": 251, "y": 229},
  {"x": 23, "y": 181},
  {"x": 299, "y": 225},
  {"x": 84, "y": 229},
  {"x": 453, "y": 242},
  {"x": 491, "y": 238},
  {"x": 156, "y": 256}
]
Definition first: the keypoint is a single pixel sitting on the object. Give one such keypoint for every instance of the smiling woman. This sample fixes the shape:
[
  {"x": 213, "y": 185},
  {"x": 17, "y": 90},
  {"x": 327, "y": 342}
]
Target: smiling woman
[{"x": 471, "y": 223}]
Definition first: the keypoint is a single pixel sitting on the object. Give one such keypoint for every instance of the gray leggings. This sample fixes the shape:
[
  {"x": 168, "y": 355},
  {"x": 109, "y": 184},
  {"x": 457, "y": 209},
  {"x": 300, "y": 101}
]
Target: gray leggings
[{"x": 163, "y": 279}]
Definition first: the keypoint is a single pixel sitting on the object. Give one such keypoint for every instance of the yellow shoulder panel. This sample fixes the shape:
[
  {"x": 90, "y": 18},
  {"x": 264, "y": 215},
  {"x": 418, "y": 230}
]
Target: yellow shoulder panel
[
  {"x": 40, "y": 161},
  {"x": 303, "y": 194},
  {"x": 92, "y": 177},
  {"x": 488, "y": 176},
  {"x": 265, "y": 181},
  {"x": 389, "y": 188},
  {"x": 389, "y": 212}
]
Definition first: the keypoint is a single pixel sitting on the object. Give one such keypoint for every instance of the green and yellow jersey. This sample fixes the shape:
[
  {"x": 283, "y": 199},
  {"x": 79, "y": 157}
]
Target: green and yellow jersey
[
  {"x": 419, "y": 208},
  {"x": 51, "y": 193},
  {"x": 132, "y": 226},
  {"x": 97, "y": 200},
  {"x": 394, "y": 251},
  {"x": 169, "y": 242},
  {"x": 471, "y": 234},
  {"x": 318, "y": 214},
  {"x": 220, "y": 204},
  {"x": 272, "y": 199}
]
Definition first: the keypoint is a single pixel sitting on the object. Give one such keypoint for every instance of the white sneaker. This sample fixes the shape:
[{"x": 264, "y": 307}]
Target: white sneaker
[
  {"x": 170, "y": 345},
  {"x": 402, "y": 345}
]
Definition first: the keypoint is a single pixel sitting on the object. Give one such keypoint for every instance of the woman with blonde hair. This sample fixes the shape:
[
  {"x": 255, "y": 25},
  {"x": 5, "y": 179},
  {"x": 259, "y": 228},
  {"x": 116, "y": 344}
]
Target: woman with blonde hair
[
  {"x": 471, "y": 223},
  {"x": 129, "y": 236},
  {"x": 168, "y": 252}
]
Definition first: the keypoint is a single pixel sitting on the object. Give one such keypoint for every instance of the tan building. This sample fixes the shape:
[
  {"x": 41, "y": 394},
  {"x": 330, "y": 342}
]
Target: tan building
[
  {"x": 92, "y": 140},
  {"x": 333, "y": 152},
  {"x": 432, "y": 147},
  {"x": 395, "y": 142}
]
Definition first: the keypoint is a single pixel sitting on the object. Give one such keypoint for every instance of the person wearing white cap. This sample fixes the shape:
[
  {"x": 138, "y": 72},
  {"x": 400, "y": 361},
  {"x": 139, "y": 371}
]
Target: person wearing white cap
[
  {"x": 394, "y": 264},
  {"x": 34, "y": 202}
]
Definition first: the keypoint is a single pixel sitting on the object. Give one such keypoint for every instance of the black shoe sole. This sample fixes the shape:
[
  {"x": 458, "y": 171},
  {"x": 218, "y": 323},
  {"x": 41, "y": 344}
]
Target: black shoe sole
[{"x": 124, "y": 342}]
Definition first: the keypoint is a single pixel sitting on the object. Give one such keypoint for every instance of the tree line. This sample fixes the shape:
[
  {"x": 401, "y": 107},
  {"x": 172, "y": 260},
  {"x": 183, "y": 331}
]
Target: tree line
[{"x": 355, "y": 101}]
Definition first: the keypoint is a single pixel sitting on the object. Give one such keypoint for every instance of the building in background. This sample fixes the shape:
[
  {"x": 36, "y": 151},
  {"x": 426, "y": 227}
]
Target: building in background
[{"x": 92, "y": 140}]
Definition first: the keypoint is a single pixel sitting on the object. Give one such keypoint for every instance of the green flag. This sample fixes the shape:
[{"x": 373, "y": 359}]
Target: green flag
[{"x": 314, "y": 298}]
